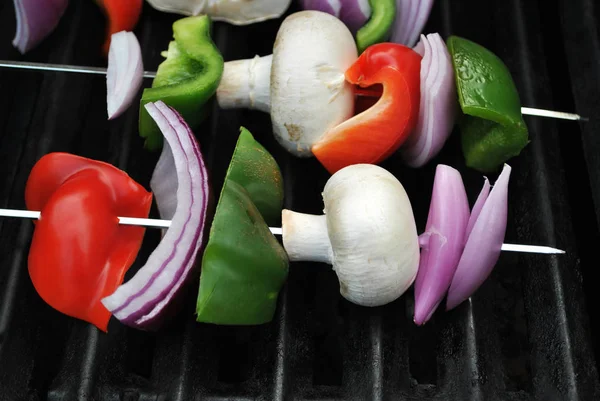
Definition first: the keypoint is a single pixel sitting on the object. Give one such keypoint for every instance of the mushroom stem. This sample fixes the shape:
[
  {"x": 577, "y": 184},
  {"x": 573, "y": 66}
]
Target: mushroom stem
[
  {"x": 305, "y": 237},
  {"x": 246, "y": 84}
]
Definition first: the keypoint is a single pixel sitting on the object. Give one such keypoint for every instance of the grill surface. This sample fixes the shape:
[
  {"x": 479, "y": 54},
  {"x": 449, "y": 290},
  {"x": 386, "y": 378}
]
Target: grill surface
[{"x": 525, "y": 335}]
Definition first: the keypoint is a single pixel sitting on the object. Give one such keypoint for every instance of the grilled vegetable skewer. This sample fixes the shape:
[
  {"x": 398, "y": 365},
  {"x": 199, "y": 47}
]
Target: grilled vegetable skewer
[
  {"x": 368, "y": 234},
  {"x": 159, "y": 223}
]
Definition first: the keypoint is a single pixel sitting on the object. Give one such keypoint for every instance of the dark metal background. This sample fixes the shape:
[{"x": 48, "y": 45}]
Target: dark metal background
[{"x": 525, "y": 335}]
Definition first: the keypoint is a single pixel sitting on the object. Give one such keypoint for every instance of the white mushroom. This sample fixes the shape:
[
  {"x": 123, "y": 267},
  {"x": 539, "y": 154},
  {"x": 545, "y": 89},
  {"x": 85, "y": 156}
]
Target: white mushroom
[
  {"x": 236, "y": 12},
  {"x": 367, "y": 233},
  {"x": 302, "y": 84}
]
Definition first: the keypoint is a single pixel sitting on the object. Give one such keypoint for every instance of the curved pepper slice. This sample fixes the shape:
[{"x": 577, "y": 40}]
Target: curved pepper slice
[
  {"x": 492, "y": 128},
  {"x": 122, "y": 15},
  {"x": 244, "y": 266},
  {"x": 187, "y": 79},
  {"x": 376, "y": 133},
  {"x": 79, "y": 253},
  {"x": 378, "y": 27}
]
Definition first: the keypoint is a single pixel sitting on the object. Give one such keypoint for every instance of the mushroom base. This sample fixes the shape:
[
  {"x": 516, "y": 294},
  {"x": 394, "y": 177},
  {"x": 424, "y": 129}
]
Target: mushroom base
[
  {"x": 246, "y": 84},
  {"x": 305, "y": 237}
]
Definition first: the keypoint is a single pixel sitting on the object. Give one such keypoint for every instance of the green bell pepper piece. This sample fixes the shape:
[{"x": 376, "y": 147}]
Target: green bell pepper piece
[
  {"x": 255, "y": 169},
  {"x": 244, "y": 266},
  {"x": 492, "y": 127},
  {"x": 186, "y": 80},
  {"x": 378, "y": 27}
]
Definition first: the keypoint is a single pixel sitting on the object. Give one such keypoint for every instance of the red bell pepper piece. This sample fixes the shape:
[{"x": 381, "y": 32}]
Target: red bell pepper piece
[
  {"x": 122, "y": 15},
  {"x": 79, "y": 253},
  {"x": 376, "y": 133}
]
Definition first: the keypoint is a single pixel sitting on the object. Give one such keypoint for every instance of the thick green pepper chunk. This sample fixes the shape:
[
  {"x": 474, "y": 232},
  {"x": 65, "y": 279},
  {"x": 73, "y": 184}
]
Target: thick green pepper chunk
[
  {"x": 244, "y": 266},
  {"x": 492, "y": 127},
  {"x": 377, "y": 29},
  {"x": 255, "y": 169},
  {"x": 187, "y": 79}
]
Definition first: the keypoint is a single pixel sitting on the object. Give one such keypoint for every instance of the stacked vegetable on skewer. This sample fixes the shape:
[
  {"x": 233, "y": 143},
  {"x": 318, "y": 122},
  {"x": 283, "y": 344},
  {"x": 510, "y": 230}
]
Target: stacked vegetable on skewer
[
  {"x": 367, "y": 233},
  {"x": 310, "y": 83}
]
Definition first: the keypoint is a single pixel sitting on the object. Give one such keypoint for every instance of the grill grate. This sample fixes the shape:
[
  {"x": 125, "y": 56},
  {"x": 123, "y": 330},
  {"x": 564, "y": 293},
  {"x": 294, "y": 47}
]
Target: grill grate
[{"x": 525, "y": 335}]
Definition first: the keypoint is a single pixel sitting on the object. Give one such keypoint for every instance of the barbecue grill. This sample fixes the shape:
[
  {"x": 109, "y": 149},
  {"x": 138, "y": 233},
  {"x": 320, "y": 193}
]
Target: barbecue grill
[{"x": 529, "y": 333}]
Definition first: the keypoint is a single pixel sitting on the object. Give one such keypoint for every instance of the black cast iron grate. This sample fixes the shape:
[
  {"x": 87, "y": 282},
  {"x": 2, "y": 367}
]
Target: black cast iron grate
[{"x": 525, "y": 335}]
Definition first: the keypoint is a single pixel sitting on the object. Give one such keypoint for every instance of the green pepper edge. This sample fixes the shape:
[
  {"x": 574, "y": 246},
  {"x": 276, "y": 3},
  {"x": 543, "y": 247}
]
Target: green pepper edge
[
  {"x": 472, "y": 111},
  {"x": 280, "y": 193},
  {"x": 487, "y": 166},
  {"x": 502, "y": 119},
  {"x": 202, "y": 305},
  {"x": 378, "y": 27},
  {"x": 152, "y": 141},
  {"x": 243, "y": 131}
]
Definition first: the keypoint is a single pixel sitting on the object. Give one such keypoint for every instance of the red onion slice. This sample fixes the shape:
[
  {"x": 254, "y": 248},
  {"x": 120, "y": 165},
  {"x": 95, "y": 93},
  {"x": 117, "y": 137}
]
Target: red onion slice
[
  {"x": 145, "y": 300},
  {"x": 411, "y": 17},
  {"x": 353, "y": 13},
  {"x": 36, "y": 19},
  {"x": 442, "y": 243},
  {"x": 484, "y": 244},
  {"x": 438, "y": 106},
  {"x": 124, "y": 74},
  {"x": 483, "y": 195},
  {"x": 332, "y": 7}
]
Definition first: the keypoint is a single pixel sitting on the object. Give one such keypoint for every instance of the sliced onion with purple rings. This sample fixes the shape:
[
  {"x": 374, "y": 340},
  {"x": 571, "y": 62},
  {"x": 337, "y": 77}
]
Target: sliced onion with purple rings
[{"x": 180, "y": 184}]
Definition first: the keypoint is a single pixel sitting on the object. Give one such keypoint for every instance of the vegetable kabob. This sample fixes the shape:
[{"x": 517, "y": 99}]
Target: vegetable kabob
[
  {"x": 80, "y": 253},
  {"x": 368, "y": 235},
  {"x": 309, "y": 85}
]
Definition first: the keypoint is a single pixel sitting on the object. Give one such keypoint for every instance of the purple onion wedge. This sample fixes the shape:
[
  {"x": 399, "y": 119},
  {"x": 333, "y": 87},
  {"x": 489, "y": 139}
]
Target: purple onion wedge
[
  {"x": 353, "y": 13},
  {"x": 332, "y": 7},
  {"x": 438, "y": 106},
  {"x": 147, "y": 299},
  {"x": 411, "y": 17},
  {"x": 36, "y": 19},
  {"x": 124, "y": 74},
  {"x": 442, "y": 242},
  {"x": 478, "y": 206},
  {"x": 484, "y": 243}
]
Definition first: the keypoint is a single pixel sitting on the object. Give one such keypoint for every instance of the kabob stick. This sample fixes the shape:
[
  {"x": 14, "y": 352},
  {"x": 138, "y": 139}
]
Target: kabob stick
[
  {"x": 157, "y": 223},
  {"x": 126, "y": 221},
  {"x": 22, "y": 65}
]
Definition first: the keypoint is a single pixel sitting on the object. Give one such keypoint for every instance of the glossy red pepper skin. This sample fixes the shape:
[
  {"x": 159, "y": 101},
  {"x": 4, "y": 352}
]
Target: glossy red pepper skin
[
  {"x": 122, "y": 15},
  {"x": 376, "y": 133},
  {"x": 79, "y": 253}
]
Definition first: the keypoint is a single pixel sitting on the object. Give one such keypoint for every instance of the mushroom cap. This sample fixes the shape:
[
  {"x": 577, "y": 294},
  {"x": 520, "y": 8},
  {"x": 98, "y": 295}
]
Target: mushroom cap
[
  {"x": 309, "y": 93},
  {"x": 244, "y": 12},
  {"x": 373, "y": 234},
  {"x": 185, "y": 7},
  {"x": 236, "y": 12}
]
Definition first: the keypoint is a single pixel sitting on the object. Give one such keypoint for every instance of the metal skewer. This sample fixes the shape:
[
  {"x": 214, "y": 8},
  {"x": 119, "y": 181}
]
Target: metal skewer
[
  {"x": 22, "y": 65},
  {"x": 157, "y": 223}
]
